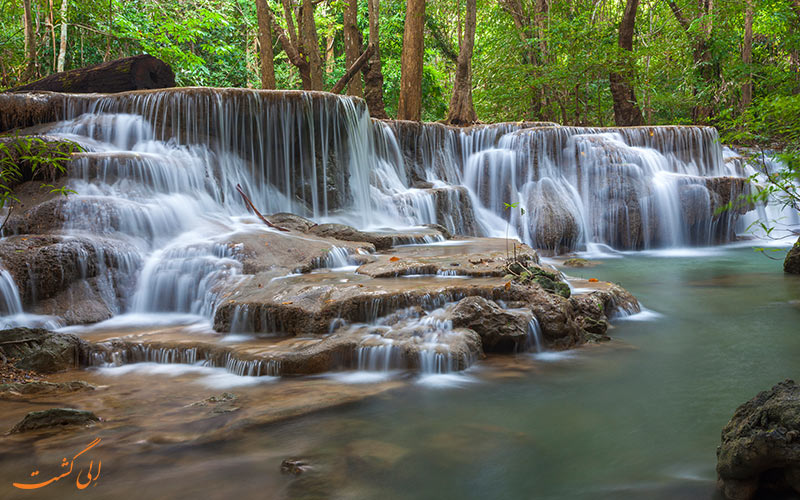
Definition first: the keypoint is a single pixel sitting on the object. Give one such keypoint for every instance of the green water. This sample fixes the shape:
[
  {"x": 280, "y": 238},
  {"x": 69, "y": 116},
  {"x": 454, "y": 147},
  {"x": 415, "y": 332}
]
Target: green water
[
  {"x": 606, "y": 423},
  {"x": 637, "y": 418}
]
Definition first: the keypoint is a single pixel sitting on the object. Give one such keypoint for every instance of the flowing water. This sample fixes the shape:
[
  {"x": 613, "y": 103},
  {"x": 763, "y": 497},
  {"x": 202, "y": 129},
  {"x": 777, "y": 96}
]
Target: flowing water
[
  {"x": 156, "y": 207},
  {"x": 636, "y": 418}
]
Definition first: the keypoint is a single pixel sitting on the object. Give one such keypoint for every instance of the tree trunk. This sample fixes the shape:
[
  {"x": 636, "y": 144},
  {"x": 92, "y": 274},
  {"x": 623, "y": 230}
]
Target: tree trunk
[
  {"x": 265, "y": 52},
  {"x": 311, "y": 44},
  {"x": 110, "y": 29},
  {"x": 62, "y": 51},
  {"x": 703, "y": 59},
  {"x": 30, "y": 43},
  {"x": 289, "y": 42},
  {"x": 52, "y": 20},
  {"x": 747, "y": 56},
  {"x": 130, "y": 73},
  {"x": 626, "y": 110},
  {"x": 410, "y": 105},
  {"x": 462, "y": 110},
  {"x": 373, "y": 74},
  {"x": 352, "y": 45}
]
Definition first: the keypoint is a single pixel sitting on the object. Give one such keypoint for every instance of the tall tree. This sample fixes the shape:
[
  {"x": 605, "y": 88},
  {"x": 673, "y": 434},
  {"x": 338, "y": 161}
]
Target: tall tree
[
  {"x": 30, "y": 42},
  {"x": 702, "y": 56},
  {"x": 626, "y": 109},
  {"x": 265, "y": 51},
  {"x": 747, "y": 55},
  {"x": 410, "y": 105},
  {"x": 62, "y": 51},
  {"x": 310, "y": 44},
  {"x": 352, "y": 44},
  {"x": 531, "y": 32},
  {"x": 462, "y": 111},
  {"x": 373, "y": 73},
  {"x": 290, "y": 43}
]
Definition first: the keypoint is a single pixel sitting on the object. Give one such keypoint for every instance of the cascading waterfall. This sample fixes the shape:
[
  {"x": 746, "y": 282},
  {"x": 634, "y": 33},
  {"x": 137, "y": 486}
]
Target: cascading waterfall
[{"x": 161, "y": 168}]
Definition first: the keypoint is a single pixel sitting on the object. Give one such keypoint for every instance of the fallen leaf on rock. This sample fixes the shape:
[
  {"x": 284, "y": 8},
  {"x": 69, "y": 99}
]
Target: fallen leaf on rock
[
  {"x": 394, "y": 259},
  {"x": 593, "y": 280},
  {"x": 287, "y": 302}
]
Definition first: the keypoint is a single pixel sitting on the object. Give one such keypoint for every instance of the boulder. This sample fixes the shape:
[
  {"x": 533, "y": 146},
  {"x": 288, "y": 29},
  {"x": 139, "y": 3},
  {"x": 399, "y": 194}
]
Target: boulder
[
  {"x": 792, "y": 262},
  {"x": 500, "y": 330},
  {"x": 760, "y": 449},
  {"x": 44, "y": 265},
  {"x": 54, "y": 417},
  {"x": 42, "y": 350}
]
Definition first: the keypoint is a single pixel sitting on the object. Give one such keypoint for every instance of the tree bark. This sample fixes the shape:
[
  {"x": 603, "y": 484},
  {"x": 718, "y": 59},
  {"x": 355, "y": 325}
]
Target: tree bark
[
  {"x": 353, "y": 70},
  {"x": 626, "y": 109},
  {"x": 311, "y": 44},
  {"x": 462, "y": 110},
  {"x": 747, "y": 56},
  {"x": 30, "y": 42},
  {"x": 265, "y": 51},
  {"x": 62, "y": 51},
  {"x": 703, "y": 60},
  {"x": 290, "y": 44},
  {"x": 352, "y": 45},
  {"x": 130, "y": 73},
  {"x": 410, "y": 105},
  {"x": 373, "y": 74}
]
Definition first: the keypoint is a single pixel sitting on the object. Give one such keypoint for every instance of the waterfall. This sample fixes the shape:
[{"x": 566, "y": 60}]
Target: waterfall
[{"x": 158, "y": 181}]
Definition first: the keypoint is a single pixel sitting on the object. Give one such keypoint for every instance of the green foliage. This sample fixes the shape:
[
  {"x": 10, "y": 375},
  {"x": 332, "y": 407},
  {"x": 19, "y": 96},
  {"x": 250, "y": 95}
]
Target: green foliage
[
  {"x": 553, "y": 66},
  {"x": 25, "y": 157}
]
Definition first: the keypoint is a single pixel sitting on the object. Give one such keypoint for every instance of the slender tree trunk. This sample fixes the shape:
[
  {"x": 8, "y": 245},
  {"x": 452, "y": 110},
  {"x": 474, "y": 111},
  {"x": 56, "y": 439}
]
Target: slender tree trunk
[
  {"x": 703, "y": 58},
  {"x": 109, "y": 28},
  {"x": 747, "y": 56},
  {"x": 462, "y": 110},
  {"x": 30, "y": 43},
  {"x": 410, "y": 105},
  {"x": 265, "y": 51},
  {"x": 626, "y": 110},
  {"x": 52, "y": 21},
  {"x": 373, "y": 74},
  {"x": 352, "y": 45},
  {"x": 329, "y": 55},
  {"x": 62, "y": 52},
  {"x": 311, "y": 44}
]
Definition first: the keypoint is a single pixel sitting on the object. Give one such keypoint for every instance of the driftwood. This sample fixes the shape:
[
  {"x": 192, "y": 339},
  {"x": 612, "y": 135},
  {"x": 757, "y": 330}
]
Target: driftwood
[
  {"x": 121, "y": 75},
  {"x": 254, "y": 209}
]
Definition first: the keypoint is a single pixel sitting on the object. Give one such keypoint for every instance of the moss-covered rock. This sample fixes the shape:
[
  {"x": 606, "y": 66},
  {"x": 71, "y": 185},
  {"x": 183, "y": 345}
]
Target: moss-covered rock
[{"x": 792, "y": 262}]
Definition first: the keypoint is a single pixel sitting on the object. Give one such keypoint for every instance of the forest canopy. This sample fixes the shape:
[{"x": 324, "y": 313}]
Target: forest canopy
[{"x": 733, "y": 64}]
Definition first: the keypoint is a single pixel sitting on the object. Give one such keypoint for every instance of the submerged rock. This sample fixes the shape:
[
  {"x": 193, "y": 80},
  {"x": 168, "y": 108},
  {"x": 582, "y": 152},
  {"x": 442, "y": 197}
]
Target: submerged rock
[
  {"x": 760, "y": 450},
  {"x": 54, "y": 417},
  {"x": 42, "y": 350},
  {"x": 37, "y": 387},
  {"x": 792, "y": 262}
]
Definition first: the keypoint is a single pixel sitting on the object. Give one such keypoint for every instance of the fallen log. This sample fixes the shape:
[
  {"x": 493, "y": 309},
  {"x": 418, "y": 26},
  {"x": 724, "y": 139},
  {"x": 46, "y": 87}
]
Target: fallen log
[{"x": 121, "y": 75}]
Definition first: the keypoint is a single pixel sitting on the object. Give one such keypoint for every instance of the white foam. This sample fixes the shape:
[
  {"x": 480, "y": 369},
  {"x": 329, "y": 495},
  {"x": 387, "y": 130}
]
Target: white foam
[
  {"x": 644, "y": 315},
  {"x": 215, "y": 378},
  {"x": 445, "y": 380}
]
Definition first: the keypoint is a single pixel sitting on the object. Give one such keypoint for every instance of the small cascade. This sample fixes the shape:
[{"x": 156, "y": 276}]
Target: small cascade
[
  {"x": 412, "y": 338},
  {"x": 10, "y": 303},
  {"x": 534, "y": 336},
  {"x": 126, "y": 354}
]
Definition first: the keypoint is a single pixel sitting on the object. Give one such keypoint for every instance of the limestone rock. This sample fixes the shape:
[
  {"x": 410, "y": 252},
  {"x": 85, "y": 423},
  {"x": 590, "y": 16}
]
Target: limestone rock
[
  {"x": 792, "y": 262},
  {"x": 41, "y": 350},
  {"x": 760, "y": 448},
  {"x": 500, "y": 330}
]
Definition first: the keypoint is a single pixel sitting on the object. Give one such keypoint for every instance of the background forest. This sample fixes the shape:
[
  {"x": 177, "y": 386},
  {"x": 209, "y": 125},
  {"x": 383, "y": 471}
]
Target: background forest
[{"x": 730, "y": 63}]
